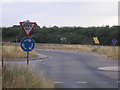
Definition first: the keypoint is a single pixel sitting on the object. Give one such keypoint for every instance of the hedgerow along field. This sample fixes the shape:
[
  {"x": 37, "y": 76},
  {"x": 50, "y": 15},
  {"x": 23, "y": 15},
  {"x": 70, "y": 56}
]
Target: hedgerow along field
[{"x": 74, "y": 35}]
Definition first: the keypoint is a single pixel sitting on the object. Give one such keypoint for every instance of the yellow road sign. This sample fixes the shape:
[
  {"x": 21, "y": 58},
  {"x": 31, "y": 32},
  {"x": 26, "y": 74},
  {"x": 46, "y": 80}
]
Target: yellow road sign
[{"x": 96, "y": 40}]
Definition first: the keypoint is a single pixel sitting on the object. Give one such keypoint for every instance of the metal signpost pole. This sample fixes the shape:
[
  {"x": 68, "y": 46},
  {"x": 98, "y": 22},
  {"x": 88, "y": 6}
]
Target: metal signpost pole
[
  {"x": 16, "y": 38},
  {"x": 27, "y": 72},
  {"x": 27, "y": 82},
  {"x": 114, "y": 45},
  {"x": 114, "y": 41},
  {"x": 27, "y": 44},
  {"x": 27, "y": 58},
  {"x": 96, "y": 40}
]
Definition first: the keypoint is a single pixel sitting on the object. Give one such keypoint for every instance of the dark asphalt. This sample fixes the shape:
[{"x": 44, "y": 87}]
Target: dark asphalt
[{"x": 72, "y": 69}]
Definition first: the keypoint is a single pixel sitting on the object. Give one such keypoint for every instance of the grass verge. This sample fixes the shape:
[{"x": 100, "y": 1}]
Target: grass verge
[
  {"x": 13, "y": 52},
  {"x": 23, "y": 78},
  {"x": 105, "y": 51}
]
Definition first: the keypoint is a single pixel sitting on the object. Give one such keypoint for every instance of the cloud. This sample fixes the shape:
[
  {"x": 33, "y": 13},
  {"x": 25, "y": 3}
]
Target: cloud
[
  {"x": 112, "y": 20},
  {"x": 10, "y": 1},
  {"x": 7, "y": 1},
  {"x": 61, "y": 13}
]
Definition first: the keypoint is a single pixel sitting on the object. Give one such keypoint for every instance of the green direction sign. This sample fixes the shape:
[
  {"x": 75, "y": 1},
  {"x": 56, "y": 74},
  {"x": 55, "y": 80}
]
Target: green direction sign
[{"x": 63, "y": 39}]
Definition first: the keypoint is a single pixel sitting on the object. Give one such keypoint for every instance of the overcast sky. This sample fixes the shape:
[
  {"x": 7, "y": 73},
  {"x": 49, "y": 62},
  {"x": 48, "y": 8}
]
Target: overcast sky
[{"x": 60, "y": 13}]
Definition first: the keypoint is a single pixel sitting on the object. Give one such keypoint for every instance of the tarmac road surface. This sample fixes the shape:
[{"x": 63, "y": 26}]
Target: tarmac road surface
[{"x": 72, "y": 69}]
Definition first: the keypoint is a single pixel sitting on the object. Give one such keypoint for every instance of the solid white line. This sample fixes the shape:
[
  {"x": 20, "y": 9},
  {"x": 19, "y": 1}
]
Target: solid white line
[{"x": 81, "y": 82}]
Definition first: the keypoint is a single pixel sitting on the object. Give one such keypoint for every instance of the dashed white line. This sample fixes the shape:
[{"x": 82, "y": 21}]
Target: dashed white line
[
  {"x": 102, "y": 82},
  {"x": 81, "y": 82}
]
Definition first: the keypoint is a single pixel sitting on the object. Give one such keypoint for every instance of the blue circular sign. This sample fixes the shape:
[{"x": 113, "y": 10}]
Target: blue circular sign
[
  {"x": 17, "y": 36},
  {"x": 27, "y": 44},
  {"x": 114, "y": 41}
]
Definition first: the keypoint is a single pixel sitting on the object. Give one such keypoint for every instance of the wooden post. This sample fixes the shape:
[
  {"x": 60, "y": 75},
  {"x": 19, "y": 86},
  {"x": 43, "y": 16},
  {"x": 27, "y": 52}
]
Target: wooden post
[{"x": 2, "y": 55}]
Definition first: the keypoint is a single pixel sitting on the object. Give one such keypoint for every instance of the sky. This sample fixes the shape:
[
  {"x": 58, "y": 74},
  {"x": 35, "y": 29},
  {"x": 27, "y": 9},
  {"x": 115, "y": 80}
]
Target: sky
[{"x": 60, "y": 13}]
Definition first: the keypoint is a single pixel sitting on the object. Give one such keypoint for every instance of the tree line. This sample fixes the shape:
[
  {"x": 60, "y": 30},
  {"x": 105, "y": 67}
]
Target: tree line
[{"x": 73, "y": 35}]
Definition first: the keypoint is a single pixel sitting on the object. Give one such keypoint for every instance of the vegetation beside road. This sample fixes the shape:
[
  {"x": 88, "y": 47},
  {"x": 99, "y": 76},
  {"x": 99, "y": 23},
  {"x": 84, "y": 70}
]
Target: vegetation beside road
[
  {"x": 105, "y": 51},
  {"x": 21, "y": 77},
  {"x": 81, "y": 36},
  {"x": 14, "y": 52},
  {"x": 74, "y": 35}
]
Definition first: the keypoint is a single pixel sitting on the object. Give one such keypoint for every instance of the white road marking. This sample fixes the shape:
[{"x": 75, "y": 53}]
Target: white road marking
[
  {"x": 50, "y": 56},
  {"x": 47, "y": 50},
  {"x": 102, "y": 82},
  {"x": 111, "y": 68},
  {"x": 118, "y": 81},
  {"x": 81, "y": 82},
  {"x": 58, "y": 82}
]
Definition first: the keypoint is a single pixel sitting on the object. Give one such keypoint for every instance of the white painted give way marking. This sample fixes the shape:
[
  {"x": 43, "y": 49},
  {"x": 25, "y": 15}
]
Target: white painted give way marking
[{"x": 110, "y": 68}]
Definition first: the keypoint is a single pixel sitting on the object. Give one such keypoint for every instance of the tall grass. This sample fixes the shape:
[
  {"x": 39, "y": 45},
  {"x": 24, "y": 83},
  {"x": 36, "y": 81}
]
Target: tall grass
[
  {"x": 15, "y": 76},
  {"x": 13, "y": 52},
  {"x": 21, "y": 77},
  {"x": 105, "y": 51}
]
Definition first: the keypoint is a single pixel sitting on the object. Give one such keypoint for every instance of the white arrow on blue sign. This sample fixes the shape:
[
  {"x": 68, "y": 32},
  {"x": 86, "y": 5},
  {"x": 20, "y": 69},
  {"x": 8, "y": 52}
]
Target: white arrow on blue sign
[{"x": 27, "y": 44}]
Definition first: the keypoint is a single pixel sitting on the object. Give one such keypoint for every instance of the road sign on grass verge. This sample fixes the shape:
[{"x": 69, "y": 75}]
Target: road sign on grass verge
[
  {"x": 96, "y": 40},
  {"x": 27, "y": 44}
]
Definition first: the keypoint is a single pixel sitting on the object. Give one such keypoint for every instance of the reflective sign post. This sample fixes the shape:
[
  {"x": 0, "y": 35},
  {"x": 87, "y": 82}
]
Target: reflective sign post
[
  {"x": 63, "y": 40},
  {"x": 96, "y": 40},
  {"x": 27, "y": 44}
]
